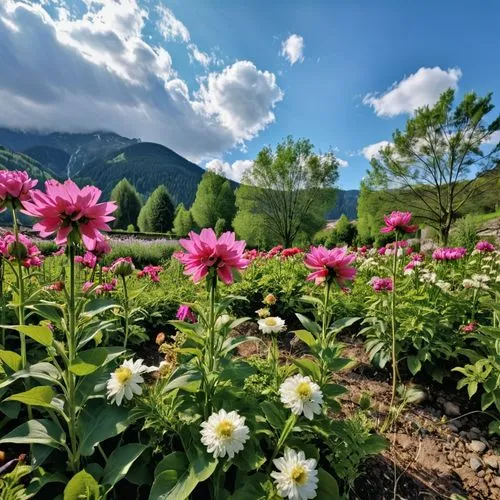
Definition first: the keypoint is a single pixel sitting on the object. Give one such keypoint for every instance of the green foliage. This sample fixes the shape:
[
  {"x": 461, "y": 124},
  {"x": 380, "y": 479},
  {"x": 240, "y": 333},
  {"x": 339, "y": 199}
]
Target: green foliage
[
  {"x": 220, "y": 226},
  {"x": 129, "y": 204},
  {"x": 11, "y": 483},
  {"x": 130, "y": 228},
  {"x": 183, "y": 222},
  {"x": 157, "y": 215},
  {"x": 344, "y": 233},
  {"x": 464, "y": 233},
  {"x": 143, "y": 252},
  {"x": 214, "y": 200}
]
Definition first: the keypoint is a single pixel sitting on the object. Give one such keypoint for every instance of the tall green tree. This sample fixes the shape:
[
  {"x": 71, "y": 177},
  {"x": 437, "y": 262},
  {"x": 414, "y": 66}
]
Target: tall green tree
[
  {"x": 183, "y": 222},
  {"x": 157, "y": 215},
  {"x": 434, "y": 158},
  {"x": 291, "y": 188},
  {"x": 214, "y": 200},
  {"x": 129, "y": 204}
]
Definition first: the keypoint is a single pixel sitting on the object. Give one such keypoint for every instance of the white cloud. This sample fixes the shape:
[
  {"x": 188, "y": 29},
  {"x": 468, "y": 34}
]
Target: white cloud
[
  {"x": 97, "y": 72},
  {"x": 372, "y": 150},
  {"x": 170, "y": 27},
  {"x": 195, "y": 54},
  {"x": 232, "y": 171},
  {"x": 343, "y": 163},
  {"x": 419, "y": 89},
  {"x": 493, "y": 139},
  {"x": 293, "y": 48}
]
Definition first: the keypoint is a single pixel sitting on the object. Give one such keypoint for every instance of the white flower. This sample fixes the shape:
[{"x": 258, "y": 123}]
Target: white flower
[
  {"x": 301, "y": 395},
  {"x": 428, "y": 277},
  {"x": 272, "y": 324},
  {"x": 224, "y": 433},
  {"x": 368, "y": 263},
  {"x": 125, "y": 380},
  {"x": 222, "y": 320},
  {"x": 297, "y": 478},
  {"x": 263, "y": 312},
  {"x": 444, "y": 285},
  {"x": 468, "y": 283}
]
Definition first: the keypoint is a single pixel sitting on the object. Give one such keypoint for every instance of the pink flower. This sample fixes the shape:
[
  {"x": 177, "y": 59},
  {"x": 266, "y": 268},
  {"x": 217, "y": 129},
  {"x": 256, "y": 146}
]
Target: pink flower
[
  {"x": 469, "y": 328},
  {"x": 185, "y": 314},
  {"x": 362, "y": 250},
  {"x": 123, "y": 266},
  {"x": 485, "y": 246},
  {"x": 58, "y": 286},
  {"x": 330, "y": 264},
  {"x": 67, "y": 210},
  {"x": 417, "y": 257},
  {"x": 251, "y": 254},
  {"x": 87, "y": 286},
  {"x": 381, "y": 284},
  {"x": 382, "y": 250},
  {"x": 26, "y": 250},
  {"x": 15, "y": 187},
  {"x": 106, "y": 287},
  {"x": 205, "y": 251},
  {"x": 152, "y": 272},
  {"x": 106, "y": 269},
  {"x": 102, "y": 247},
  {"x": 449, "y": 253},
  {"x": 88, "y": 260},
  {"x": 274, "y": 251},
  {"x": 398, "y": 221},
  {"x": 289, "y": 252},
  {"x": 59, "y": 251}
]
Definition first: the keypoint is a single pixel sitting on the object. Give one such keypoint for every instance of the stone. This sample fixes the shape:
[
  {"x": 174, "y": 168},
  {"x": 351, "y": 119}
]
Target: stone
[
  {"x": 451, "y": 409},
  {"x": 491, "y": 461},
  {"x": 453, "y": 428},
  {"x": 477, "y": 446},
  {"x": 475, "y": 463},
  {"x": 481, "y": 473},
  {"x": 476, "y": 430},
  {"x": 472, "y": 435},
  {"x": 497, "y": 481}
]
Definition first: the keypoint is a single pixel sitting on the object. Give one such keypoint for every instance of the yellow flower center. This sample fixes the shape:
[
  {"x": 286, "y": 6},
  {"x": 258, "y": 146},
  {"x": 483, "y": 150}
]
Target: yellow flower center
[
  {"x": 123, "y": 374},
  {"x": 304, "y": 390},
  {"x": 224, "y": 429},
  {"x": 270, "y": 321},
  {"x": 299, "y": 475}
]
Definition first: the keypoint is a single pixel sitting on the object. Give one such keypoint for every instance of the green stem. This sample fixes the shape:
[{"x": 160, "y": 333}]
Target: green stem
[
  {"x": 274, "y": 355},
  {"x": 126, "y": 309},
  {"x": 325, "y": 322},
  {"x": 211, "y": 324},
  {"x": 2, "y": 302},
  {"x": 289, "y": 425}
]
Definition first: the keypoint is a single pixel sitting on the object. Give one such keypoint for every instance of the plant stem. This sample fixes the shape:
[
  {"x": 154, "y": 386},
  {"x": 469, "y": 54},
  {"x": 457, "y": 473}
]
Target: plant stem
[
  {"x": 125, "y": 310},
  {"x": 211, "y": 323},
  {"x": 325, "y": 322},
  {"x": 2, "y": 302}
]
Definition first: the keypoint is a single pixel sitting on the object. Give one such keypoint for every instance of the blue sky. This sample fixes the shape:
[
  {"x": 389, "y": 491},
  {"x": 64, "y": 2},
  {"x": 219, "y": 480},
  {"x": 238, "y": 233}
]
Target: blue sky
[{"x": 217, "y": 80}]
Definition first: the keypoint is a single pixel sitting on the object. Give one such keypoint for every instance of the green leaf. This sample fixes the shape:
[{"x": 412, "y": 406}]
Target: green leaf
[
  {"x": 273, "y": 414},
  {"x": 308, "y": 367},
  {"x": 44, "y": 478},
  {"x": 306, "y": 337},
  {"x": 472, "y": 388},
  {"x": 327, "y": 486},
  {"x": 41, "y": 431},
  {"x": 308, "y": 324},
  {"x": 100, "y": 421},
  {"x": 414, "y": 364},
  {"x": 82, "y": 486},
  {"x": 39, "y": 371},
  {"x": 98, "y": 306},
  {"x": 88, "y": 361},
  {"x": 336, "y": 364},
  {"x": 188, "y": 381},
  {"x": 37, "y": 396},
  {"x": 333, "y": 390},
  {"x": 342, "y": 323},
  {"x": 11, "y": 359},
  {"x": 120, "y": 461},
  {"x": 41, "y": 334}
]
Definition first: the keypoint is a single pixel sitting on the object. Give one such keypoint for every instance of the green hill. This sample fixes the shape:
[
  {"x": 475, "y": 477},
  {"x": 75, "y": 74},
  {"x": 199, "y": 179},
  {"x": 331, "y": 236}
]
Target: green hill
[
  {"x": 52, "y": 158},
  {"x": 9, "y": 160}
]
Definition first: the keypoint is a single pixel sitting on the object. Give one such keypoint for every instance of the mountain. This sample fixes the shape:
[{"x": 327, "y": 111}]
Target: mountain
[
  {"x": 81, "y": 148},
  {"x": 10, "y": 160},
  {"x": 345, "y": 203},
  {"x": 147, "y": 165},
  {"x": 53, "y": 158}
]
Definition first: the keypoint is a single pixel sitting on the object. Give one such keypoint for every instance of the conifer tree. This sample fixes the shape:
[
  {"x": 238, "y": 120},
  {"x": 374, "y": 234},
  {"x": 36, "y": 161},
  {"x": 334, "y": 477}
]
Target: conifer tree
[{"x": 129, "y": 204}]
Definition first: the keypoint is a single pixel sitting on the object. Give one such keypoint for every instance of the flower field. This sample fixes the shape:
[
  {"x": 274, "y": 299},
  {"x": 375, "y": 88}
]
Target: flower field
[{"x": 225, "y": 372}]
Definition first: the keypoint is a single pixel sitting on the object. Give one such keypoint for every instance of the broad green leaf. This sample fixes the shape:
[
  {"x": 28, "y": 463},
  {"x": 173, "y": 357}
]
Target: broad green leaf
[
  {"x": 308, "y": 324},
  {"x": 88, "y": 361},
  {"x": 333, "y": 390},
  {"x": 414, "y": 364},
  {"x": 41, "y": 431},
  {"x": 273, "y": 414},
  {"x": 336, "y": 364},
  {"x": 175, "y": 460},
  {"x": 82, "y": 486},
  {"x": 189, "y": 381},
  {"x": 342, "y": 323},
  {"x": 11, "y": 359},
  {"x": 98, "y": 306},
  {"x": 41, "y": 334},
  {"x": 44, "y": 478},
  {"x": 120, "y": 461},
  {"x": 37, "y": 396},
  {"x": 327, "y": 486},
  {"x": 308, "y": 367},
  {"x": 306, "y": 337},
  {"x": 39, "y": 371},
  {"x": 49, "y": 311}
]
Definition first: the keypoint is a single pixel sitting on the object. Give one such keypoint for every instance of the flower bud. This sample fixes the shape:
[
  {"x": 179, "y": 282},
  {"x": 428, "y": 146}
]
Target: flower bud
[
  {"x": 123, "y": 266},
  {"x": 270, "y": 299},
  {"x": 17, "y": 250},
  {"x": 160, "y": 338}
]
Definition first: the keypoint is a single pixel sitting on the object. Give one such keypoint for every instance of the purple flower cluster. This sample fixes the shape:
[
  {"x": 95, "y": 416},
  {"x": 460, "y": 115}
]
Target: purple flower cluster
[{"x": 449, "y": 253}]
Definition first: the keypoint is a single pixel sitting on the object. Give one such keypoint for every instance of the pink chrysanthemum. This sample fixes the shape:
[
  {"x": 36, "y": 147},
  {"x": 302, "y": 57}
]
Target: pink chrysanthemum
[
  {"x": 485, "y": 246},
  {"x": 398, "y": 221},
  {"x": 184, "y": 313},
  {"x": 205, "y": 251},
  {"x": 330, "y": 264},
  {"x": 26, "y": 250},
  {"x": 15, "y": 187},
  {"x": 87, "y": 260},
  {"x": 67, "y": 210},
  {"x": 449, "y": 253},
  {"x": 469, "y": 328},
  {"x": 381, "y": 284},
  {"x": 152, "y": 272}
]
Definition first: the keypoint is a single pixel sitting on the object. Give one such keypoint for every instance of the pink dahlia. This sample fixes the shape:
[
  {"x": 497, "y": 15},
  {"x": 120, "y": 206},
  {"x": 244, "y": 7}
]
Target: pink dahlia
[
  {"x": 184, "y": 313},
  {"x": 381, "y": 284},
  {"x": 87, "y": 260},
  {"x": 15, "y": 187},
  {"x": 25, "y": 250},
  {"x": 152, "y": 272},
  {"x": 330, "y": 264},
  {"x": 485, "y": 246},
  {"x": 398, "y": 221},
  {"x": 289, "y": 252},
  {"x": 205, "y": 251},
  {"x": 449, "y": 253},
  {"x": 106, "y": 287},
  {"x": 67, "y": 210},
  {"x": 469, "y": 328}
]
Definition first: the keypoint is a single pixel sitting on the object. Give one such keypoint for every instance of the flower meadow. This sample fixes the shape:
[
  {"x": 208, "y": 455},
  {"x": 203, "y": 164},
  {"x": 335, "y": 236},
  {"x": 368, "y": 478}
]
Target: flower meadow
[{"x": 173, "y": 381}]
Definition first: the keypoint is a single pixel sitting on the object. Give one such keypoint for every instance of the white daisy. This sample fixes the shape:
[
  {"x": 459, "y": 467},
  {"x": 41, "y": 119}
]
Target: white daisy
[
  {"x": 224, "y": 433},
  {"x": 481, "y": 280},
  {"x": 468, "y": 283},
  {"x": 301, "y": 395},
  {"x": 272, "y": 324},
  {"x": 444, "y": 285},
  {"x": 125, "y": 380},
  {"x": 297, "y": 478}
]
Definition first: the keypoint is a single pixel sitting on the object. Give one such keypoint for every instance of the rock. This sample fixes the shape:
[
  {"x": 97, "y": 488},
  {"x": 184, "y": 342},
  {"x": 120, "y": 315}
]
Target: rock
[
  {"x": 491, "y": 461},
  {"x": 497, "y": 481},
  {"x": 463, "y": 434},
  {"x": 481, "y": 473},
  {"x": 453, "y": 428},
  {"x": 472, "y": 435},
  {"x": 477, "y": 446},
  {"x": 476, "y": 430},
  {"x": 485, "y": 442},
  {"x": 475, "y": 463},
  {"x": 451, "y": 409}
]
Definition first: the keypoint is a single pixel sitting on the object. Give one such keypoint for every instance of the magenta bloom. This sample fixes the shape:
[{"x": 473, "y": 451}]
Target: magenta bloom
[
  {"x": 485, "y": 246},
  {"x": 87, "y": 286},
  {"x": 289, "y": 252},
  {"x": 87, "y": 260},
  {"x": 27, "y": 251},
  {"x": 382, "y": 250},
  {"x": 381, "y": 284},
  {"x": 65, "y": 209},
  {"x": 102, "y": 247},
  {"x": 58, "y": 286},
  {"x": 330, "y": 264},
  {"x": 470, "y": 327},
  {"x": 59, "y": 251},
  {"x": 205, "y": 251},
  {"x": 398, "y": 221},
  {"x": 123, "y": 266},
  {"x": 252, "y": 254},
  {"x": 185, "y": 314},
  {"x": 449, "y": 253},
  {"x": 106, "y": 287},
  {"x": 15, "y": 187},
  {"x": 152, "y": 272}
]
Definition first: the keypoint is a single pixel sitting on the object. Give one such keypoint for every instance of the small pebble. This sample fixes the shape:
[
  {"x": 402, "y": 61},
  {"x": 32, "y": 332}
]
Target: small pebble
[
  {"x": 491, "y": 461},
  {"x": 481, "y": 473},
  {"x": 477, "y": 446},
  {"x": 453, "y": 428},
  {"x": 451, "y": 409},
  {"x": 475, "y": 463}
]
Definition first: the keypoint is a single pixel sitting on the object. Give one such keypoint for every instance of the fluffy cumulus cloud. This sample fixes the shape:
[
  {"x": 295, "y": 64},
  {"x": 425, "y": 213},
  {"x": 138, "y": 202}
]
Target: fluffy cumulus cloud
[
  {"x": 96, "y": 71},
  {"x": 234, "y": 171},
  {"x": 343, "y": 163},
  {"x": 372, "y": 150},
  {"x": 293, "y": 48},
  {"x": 419, "y": 89}
]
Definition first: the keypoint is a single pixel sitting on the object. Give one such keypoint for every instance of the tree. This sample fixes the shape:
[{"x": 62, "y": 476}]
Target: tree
[
  {"x": 183, "y": 222},
  {"x": 432, "y": 160},
  {"x": 343, "y": 233},
  {"x": 214, "y": 200},
  {"x": 157, "y": 215},
  {"x": 129, "y": 204},
  {"x": 292, "y": 188}
]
